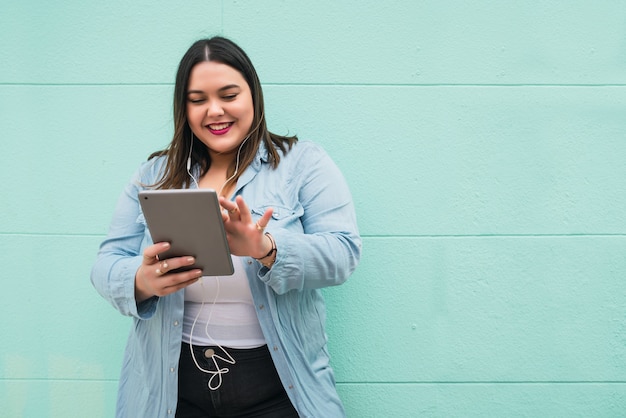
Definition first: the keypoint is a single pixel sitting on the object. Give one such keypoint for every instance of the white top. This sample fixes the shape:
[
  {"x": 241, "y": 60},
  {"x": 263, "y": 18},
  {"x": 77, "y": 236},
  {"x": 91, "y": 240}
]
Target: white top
[{"x": 223, "y": 311}]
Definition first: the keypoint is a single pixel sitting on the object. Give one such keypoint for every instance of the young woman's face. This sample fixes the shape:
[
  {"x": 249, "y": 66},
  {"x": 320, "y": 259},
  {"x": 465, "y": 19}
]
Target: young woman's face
[{"x": 219, "y": 106}]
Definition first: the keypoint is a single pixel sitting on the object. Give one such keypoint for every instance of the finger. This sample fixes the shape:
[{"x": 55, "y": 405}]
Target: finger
[
  {"x": 265, "y": 219},
  {"x": 175, "y": 264},
  {"x": 150, "y": 253},
  {"x": 244, "y": 211},
  {"x": 181, "y": 280},
  {"x": 231, "y": 207},
  {"x": 162, "y": 268},
  {"x": 262, "y": 222}
]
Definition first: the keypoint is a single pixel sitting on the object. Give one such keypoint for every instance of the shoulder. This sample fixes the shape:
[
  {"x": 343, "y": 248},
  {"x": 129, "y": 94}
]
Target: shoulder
[
  {"x": 304, "y": 151},
  {"x": 150, "y": 171},
  {"x": 305, "y": 160}
]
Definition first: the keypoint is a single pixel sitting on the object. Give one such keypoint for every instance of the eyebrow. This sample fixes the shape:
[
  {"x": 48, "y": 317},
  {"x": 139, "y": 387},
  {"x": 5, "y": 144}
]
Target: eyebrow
[{"x": 227, "y": 87}]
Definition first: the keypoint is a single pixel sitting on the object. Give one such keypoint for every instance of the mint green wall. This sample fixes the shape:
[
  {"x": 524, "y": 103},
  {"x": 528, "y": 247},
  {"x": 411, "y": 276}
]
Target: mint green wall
[{"x": 484, "y": 143}]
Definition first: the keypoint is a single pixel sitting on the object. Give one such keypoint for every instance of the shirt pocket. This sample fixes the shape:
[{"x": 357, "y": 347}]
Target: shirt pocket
[{"x": 282, "y": 216}]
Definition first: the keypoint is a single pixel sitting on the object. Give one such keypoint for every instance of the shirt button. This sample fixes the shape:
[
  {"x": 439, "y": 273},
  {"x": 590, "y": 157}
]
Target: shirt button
[
  {"x": 176, "y": 323},
  {"x": 261, "y": 306},
  {"x": 169, "y": 412},
  {"x": 171, "y": 369},
  {"x": 290, "y": 386},
  {"x": 249, "y": 261},
  {"x": 275, "y": 348}
]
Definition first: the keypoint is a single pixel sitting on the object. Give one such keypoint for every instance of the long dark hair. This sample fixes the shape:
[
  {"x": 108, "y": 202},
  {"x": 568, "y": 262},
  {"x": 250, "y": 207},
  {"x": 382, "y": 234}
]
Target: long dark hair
[{"x": 225, "y": 51}]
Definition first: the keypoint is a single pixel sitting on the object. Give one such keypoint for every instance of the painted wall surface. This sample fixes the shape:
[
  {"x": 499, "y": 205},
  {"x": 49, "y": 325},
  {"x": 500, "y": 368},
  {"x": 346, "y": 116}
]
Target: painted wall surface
[{"x": 484, "y": 143}]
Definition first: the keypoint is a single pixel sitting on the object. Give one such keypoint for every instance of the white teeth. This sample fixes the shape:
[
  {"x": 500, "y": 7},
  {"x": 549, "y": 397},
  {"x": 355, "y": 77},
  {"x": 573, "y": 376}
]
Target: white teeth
[{"x": 219, "y": 126}]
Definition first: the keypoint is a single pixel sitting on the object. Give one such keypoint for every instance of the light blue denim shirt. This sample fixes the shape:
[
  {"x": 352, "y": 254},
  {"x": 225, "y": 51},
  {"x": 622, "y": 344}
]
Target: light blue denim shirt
[{"x": 315, "y": 229}]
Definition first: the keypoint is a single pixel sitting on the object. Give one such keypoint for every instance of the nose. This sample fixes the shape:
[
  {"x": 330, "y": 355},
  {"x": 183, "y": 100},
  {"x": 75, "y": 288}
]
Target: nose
[{"x": 214, "y": 108}]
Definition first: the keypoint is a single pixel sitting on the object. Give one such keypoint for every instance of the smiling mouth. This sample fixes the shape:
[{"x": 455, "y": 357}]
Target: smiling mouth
[{"x": 220, "y": 126}]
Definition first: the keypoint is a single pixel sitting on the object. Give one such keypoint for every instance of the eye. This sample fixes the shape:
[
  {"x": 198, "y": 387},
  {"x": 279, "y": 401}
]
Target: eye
[
  {"x": 195, "y": 100},
  {"x": 229, "y": 97}
]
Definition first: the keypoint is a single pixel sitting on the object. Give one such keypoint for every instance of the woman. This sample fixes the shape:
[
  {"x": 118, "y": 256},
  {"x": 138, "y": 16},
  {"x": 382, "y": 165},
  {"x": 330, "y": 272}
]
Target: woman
[{"x": 251, "y": 344}]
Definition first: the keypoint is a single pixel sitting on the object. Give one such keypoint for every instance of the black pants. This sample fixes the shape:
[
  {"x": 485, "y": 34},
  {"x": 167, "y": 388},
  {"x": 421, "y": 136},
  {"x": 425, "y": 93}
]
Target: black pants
[{"x": 251, "y": 388}]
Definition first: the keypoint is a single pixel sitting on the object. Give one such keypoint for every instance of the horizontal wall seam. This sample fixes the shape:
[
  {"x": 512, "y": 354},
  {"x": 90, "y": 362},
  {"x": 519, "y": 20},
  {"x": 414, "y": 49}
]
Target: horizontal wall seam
[
  {"x": 496, "y": 85},
  {"x": 68, "y": 380}
]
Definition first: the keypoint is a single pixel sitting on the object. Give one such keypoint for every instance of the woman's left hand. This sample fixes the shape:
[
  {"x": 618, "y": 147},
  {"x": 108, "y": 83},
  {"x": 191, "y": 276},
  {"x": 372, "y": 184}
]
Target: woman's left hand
[{"x": 244, "y": 236}]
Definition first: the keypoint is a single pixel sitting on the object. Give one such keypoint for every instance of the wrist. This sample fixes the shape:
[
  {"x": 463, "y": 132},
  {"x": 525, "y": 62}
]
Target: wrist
[
  {"x": 268, "y": 259},
  {"x": 141, "y": 294}
]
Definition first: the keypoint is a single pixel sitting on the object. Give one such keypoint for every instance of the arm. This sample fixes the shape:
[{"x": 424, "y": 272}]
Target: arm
[
  {"x": 329, "y": 250},
  {"x": 127, "y": 271},
  {"x": 119, "y": 257}
]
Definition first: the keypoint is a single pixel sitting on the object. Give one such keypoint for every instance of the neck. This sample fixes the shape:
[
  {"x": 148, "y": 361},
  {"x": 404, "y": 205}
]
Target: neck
[
  {"x": 216, "y": 179},
  {"x": 223, "y": 159}
]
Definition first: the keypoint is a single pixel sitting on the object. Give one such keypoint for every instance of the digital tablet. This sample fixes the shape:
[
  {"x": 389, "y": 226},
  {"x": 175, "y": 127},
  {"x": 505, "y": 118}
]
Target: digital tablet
[{"x": 191, "y": 221}]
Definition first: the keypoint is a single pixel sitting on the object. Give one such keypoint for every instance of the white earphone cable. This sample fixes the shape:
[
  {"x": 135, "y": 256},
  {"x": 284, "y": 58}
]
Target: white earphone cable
[
  {"x": 214, "y": 357},
  {"x": 229, "y": 359}
]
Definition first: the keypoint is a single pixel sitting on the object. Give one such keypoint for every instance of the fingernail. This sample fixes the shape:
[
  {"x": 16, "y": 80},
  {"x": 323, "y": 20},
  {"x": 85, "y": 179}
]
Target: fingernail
[{"x": 190, "y": 259}]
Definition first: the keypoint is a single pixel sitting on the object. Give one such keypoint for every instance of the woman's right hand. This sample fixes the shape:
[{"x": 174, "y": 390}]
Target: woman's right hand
[{"x": 154, "y": 276}]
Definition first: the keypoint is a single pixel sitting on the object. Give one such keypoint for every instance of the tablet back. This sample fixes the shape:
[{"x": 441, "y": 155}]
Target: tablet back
[{"x": 191, "y": 221}]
